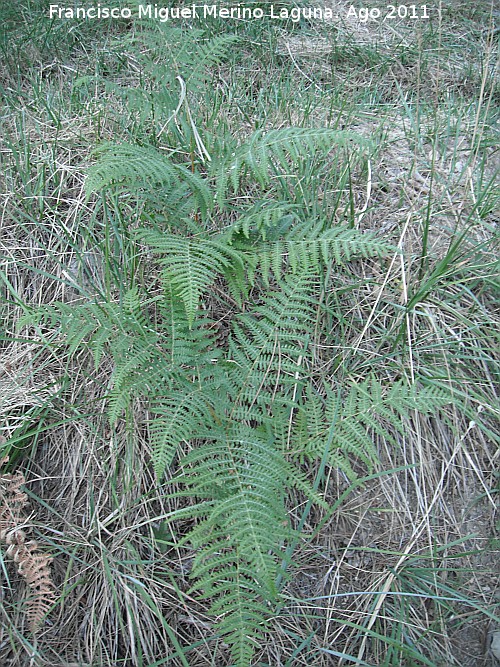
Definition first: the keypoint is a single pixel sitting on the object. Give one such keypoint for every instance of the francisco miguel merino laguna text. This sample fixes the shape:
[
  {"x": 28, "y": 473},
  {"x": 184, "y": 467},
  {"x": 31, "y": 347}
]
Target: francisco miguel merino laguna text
[{"x": 164, "y": 14}]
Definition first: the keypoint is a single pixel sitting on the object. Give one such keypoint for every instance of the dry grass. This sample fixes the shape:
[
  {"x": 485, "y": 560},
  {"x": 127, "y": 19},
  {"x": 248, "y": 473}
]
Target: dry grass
[{"x": 395, "y": 551}]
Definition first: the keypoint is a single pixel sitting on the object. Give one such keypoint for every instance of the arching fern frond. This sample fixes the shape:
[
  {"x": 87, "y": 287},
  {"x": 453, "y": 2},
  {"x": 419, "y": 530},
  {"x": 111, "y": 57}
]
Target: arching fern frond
[
  {"x": 139, "y": 167},
  {"x": 202, "y": 54},
  {"x": 264, "y": 220},
  {"x": 357, "y": 416},
  {"x": 166, "y": 52},
  {"x": 307, "y": 247},
  {"x": 178, "y": 415},
  {"x": 123, "y": 331},
  {"x": 265, "y": 152}
]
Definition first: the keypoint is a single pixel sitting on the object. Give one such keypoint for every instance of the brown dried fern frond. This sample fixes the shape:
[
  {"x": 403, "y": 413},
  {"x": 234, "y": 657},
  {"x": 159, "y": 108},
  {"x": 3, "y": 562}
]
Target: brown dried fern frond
[{"x": 32, "y": 565}]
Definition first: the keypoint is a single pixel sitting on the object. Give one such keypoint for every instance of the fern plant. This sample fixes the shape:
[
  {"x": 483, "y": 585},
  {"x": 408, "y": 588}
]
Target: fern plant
[{"x": 233, "y": 419}]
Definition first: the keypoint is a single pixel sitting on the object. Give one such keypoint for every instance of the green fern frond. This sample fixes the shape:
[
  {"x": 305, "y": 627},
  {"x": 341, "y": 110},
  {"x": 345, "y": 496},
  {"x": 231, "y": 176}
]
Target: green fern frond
[
  {"x": 177, "y": 417},
  {"x": 172, "y": 52},
  {"x": 121, "y": 330},
  {"x": 78, "y": 325},
  {"x": 266, "y": 219},
  {"x": 204, "y": 55},
  {"x": 367, "y": 410},
  {"x": 265, "y": 152},
  {"x": 242, "y": 477},
  {"x": 305, "y": 246},
  {"x": 309, "y": 251},
  {"x": 143, "y": 167},
  {"x": 140, "y": 366},
  {"x": 424, "y": 399},
  {"x": 161, "y": 54},
  {"x": 187, "y": 347},
  {"x": 266, "y": 347},
  {"x": 190, "y": 264}
]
